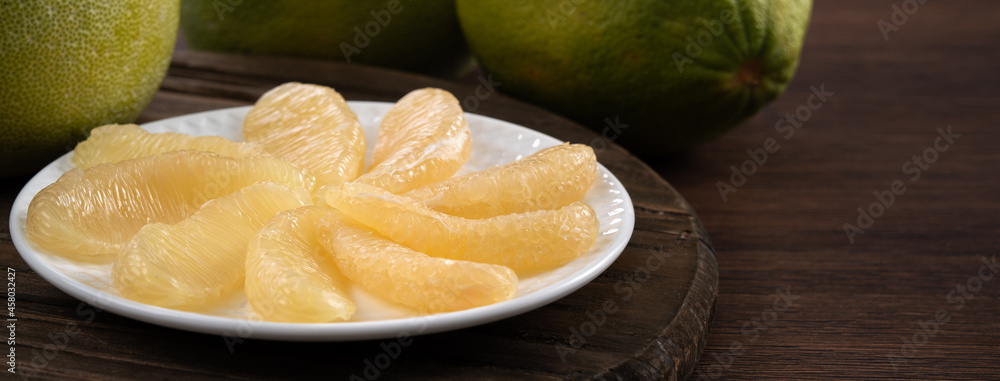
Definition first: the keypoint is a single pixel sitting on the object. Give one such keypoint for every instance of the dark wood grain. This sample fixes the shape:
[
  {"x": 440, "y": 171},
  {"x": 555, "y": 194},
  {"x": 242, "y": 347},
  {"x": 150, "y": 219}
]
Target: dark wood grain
[
  {"x": 783, "y": 228},
  {"x": 853, "y": 306},
  {"x": 645, "y": 317}
]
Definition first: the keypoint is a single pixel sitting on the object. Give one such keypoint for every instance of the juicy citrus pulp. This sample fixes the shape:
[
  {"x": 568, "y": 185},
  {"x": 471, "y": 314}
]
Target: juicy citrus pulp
[
  {"x": 524, "y": 242},
  {"x": 549, "y": 179},
  {"x": 289, "y": 277},
  {"x": 92, "y": 212},
  {"x": 117, "y": 142},
  {"x": 312, "y": 126},
  {"x": 423, "y": 138},
  {"x": 400, "y": 274},
  {"x": 189, "y": 227},
  {"x": 200, "y": 260}
]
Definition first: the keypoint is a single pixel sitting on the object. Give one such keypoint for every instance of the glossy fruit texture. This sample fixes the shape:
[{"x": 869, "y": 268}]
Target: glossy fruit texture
[
  {"x": 524, "y": 242},
  {"x": 117, "y": 142},
  {"x": 69, "y": 66},
  {"x": 423, "y": 138},
  {"x": 311, "y": 126},
  {"x": 289, "y": 276},
  {"x": 654, "y": 76},
  {"x": 549, "y": 179},
  {"x": 411, "y": 278},
  {"x": 93, "y": 212},
  {"x": 200, "y": 260}
]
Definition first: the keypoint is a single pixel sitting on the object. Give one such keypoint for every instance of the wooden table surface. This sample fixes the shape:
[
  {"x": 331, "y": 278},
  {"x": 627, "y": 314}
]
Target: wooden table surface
[
  {"x": 865, "y": 309},
  {"x": 907, "y": 292}
]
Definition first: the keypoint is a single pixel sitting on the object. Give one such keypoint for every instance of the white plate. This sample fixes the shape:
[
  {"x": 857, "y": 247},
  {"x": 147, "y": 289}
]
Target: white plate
[{"x": 494, "y": 142}]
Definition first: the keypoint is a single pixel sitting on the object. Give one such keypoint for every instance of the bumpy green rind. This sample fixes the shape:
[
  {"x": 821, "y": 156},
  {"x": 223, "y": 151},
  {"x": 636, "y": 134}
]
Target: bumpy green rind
[
  {"x": 402, "y": 34},
  {"x": 66, "y": 67},
  {"x": 630, "y": 61}
]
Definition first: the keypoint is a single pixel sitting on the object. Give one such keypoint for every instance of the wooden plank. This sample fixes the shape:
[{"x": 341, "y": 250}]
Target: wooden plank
[{"x": 646, "y": 316}]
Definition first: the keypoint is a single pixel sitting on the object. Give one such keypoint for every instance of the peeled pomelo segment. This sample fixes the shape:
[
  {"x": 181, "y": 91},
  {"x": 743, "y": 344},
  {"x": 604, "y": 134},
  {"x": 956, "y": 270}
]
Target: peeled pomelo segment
[
  {"x": 423, "y": 138},
  {"x": 400, "y": 274},
  {"x": 92, "y": 212},
  {"x": 289, "y": 277},
  {"x": 549, "y": 179},
  {"x": 201, "y": 259},
  {"x": 312, "y": 126},
  {"x": 523, "y": 242},
  {"x": 117, "y": 142},
  {"x": 425, "y": 113}
]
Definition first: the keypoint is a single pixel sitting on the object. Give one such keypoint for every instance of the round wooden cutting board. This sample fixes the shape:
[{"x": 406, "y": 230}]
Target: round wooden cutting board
[{"x": 646, "y": 317}]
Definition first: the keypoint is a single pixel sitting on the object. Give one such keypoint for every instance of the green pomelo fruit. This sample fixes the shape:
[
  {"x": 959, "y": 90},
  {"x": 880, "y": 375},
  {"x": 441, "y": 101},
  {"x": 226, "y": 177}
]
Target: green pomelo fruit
[
  {"x": 69, "y": 66},
  {"x": 673, "y": 74},
  {"x": 421, "y": 36}
]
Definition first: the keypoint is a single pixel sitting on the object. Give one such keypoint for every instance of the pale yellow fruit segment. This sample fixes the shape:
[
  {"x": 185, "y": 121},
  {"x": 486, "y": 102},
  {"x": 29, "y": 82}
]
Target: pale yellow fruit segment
[
  {"x": 200, "y": 260},
  {"x": 549, "y": 179},
  {"x": 402, "y": 275},
  {"x": 117, "y": 142},
  {"x": 191, "y": 220},
  {"x": 312, "y": 126},
  {"x": 423, "y": 138},
  {"x": 524, "y": 242},
  {"x": 92, "y": 212},
  {"x": 289, "y": 277}
]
